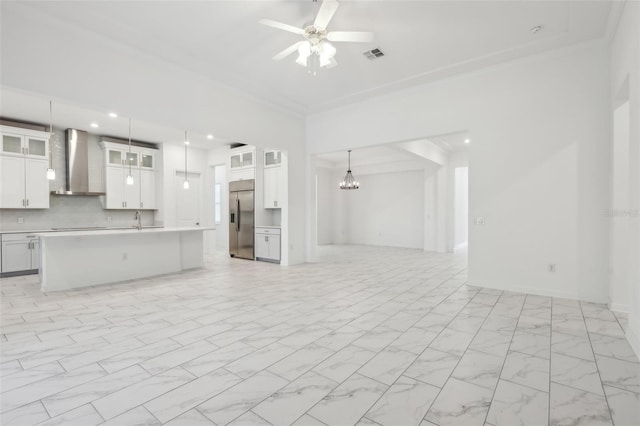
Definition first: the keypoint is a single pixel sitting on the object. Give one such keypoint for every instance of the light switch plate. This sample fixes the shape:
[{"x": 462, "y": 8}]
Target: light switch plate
[{"x": 20, "y": 220}]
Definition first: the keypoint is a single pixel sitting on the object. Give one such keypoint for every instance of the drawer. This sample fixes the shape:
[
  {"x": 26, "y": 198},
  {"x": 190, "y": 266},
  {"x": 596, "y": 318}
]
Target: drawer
[
  {"x": 268, "y": 231},
  {"x": 19, "y": 237}
]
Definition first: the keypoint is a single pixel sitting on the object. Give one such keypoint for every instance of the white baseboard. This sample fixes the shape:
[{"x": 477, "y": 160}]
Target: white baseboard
[
  {"x": 539, "y": 292},
  {"x": 619, "y": 307}
]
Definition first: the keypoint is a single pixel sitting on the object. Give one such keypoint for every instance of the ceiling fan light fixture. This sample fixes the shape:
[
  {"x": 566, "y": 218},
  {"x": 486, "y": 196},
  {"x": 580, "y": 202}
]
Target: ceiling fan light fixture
[
  {"x": 304, "y": 51},
  {"x": 324, "y": 61},
  {"x": 327, "y": 50}
]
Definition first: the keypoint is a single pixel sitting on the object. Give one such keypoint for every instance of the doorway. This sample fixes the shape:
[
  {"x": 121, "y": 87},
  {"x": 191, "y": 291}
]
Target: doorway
[{"x": 187, "y": 200}]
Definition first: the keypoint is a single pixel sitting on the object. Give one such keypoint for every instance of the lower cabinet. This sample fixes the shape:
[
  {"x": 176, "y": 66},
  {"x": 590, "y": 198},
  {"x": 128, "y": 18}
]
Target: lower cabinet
[
  {"x": 20, "y": 253},
  {"x": 268, "y": 244}
]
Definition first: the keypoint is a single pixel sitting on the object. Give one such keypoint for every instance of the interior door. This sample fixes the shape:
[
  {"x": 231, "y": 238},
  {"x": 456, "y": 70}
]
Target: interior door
[
  {"x": 233, "y": 223},
  {"x": 188, "y": 200},
  {"x": 246, "y": 215}
]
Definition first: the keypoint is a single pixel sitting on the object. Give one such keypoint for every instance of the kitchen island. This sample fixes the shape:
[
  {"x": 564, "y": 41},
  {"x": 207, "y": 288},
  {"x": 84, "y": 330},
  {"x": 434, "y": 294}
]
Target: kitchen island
[{"x": 79, "y": 259}]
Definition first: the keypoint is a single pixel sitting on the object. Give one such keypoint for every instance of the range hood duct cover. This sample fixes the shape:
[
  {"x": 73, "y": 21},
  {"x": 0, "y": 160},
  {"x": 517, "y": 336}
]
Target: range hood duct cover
[{"x": 77, "y": 163}]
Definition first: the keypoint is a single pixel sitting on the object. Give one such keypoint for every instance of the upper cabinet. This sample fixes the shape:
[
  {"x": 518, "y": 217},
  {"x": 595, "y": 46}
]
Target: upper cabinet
[
  {"x": 24, "y": 159},
  {"x": 273, "y": 179},
  {"x": 120, "y": 162},
  {"x": 272, "y": 158},
  {"x": 243, "y": 160},
  {"x": 242, "y": 163},
  {"x": 33, "y": 144}
]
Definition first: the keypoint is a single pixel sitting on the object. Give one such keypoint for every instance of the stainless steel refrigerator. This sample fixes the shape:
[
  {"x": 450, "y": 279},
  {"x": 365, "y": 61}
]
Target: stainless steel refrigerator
[{"x": 241, "y": 218}]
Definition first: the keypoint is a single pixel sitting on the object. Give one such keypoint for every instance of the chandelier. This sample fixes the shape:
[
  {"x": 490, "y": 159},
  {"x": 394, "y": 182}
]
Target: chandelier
[{"x": 349, "y": 181}]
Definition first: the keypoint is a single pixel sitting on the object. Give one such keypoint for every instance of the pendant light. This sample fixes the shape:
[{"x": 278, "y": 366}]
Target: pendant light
[
  {"x": 130, "y": 176},
  {"x": 349, "y": 182},
  {"x": 51, "y": 172},
  {"x": 185, "y": 185}
]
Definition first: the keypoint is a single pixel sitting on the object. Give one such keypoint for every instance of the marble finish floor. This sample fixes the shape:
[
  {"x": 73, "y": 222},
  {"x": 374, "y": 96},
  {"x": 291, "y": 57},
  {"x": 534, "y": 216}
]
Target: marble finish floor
[{"x": 367, "y": 336}]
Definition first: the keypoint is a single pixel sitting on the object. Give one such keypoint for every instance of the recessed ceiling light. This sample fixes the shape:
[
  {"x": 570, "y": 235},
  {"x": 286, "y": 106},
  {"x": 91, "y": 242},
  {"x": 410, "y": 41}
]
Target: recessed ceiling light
[
  {"x": 209, "y": 136},
  {"x": 536, "y": 29},
  {"x": 113, "y": 115},
  {"x": 94, "y": 125},
  {"x": 467, "y": 141}
]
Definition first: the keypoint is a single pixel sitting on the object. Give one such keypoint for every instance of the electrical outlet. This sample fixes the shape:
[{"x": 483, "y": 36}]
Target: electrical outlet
[
  {"x": 108, "y": 218},
  {"x": 552, "y": 267},
  {"x": 125, "y": 256},
  {"x": 20, "y": 220},
  {"x": 479, "y": 220}
]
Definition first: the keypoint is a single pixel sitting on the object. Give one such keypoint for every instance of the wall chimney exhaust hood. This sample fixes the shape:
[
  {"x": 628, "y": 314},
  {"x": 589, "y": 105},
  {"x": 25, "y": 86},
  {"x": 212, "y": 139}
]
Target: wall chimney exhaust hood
[{"x": 77, "y": 164}]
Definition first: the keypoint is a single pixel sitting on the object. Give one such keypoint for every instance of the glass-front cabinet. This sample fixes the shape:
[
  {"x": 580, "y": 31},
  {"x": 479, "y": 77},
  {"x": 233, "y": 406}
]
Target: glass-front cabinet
[
  {"x": 24, "y": 159},
  {"x": 122, "y": 162},
  {"x": 242, "y": 160},
  {"x": 272, "y": 158},
  {"x": 25, "y": 145}
]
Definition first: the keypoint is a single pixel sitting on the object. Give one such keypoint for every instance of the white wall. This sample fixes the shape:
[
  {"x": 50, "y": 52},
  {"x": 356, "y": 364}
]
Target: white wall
[
  {"x": 461, "y": 206},
  {"x": 387, "y": 210},
  {"x": 539, "y": 169},
  {"x": 326, "y": 205},
  {"x": 625, "y": 85}
]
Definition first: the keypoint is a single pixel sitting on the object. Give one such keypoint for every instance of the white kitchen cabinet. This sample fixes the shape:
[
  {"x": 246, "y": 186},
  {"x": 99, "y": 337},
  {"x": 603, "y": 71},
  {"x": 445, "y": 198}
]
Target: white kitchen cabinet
[
  {"x": 119, "y": 194},
  {"x": 24, "y": 159},
  {"x": 272, "y": 184},
  {"x": 147, "y": 189},
  {"x": 242, "y": 159},
  {"x": 272, "y": 158},
  {"x": 24, "y": 143},
  {"x": 267, "y": 245},
  {"x": 119, "y": 162},
  {"x": 20, "y": 252}
]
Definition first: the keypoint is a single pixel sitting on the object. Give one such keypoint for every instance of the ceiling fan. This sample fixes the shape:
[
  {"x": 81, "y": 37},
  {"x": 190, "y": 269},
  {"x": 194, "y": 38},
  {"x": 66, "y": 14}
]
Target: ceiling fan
[{"x": 317, "y": 37}]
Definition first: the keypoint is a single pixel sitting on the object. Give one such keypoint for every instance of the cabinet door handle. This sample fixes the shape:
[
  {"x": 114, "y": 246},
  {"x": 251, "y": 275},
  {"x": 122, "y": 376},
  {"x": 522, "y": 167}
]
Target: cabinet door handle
[
  {"x": 141, "y": 204},
  {"x": 27, "y": 202},
  {"x": 23, "y": 203}
]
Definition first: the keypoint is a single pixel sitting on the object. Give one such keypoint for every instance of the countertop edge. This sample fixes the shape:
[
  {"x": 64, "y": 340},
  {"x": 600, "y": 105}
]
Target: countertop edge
[{"x": 107, "y": 232}]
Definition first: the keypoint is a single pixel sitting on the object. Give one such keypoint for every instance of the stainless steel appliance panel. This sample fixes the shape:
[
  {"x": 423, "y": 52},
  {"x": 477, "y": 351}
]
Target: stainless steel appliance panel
[
  {"x": 241, "y": 219},
  {"x": 246, "y": 230}
]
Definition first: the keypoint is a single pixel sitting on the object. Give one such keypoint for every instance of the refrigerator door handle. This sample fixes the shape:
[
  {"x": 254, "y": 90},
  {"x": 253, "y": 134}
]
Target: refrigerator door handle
[{"x": 238, "y": 215}]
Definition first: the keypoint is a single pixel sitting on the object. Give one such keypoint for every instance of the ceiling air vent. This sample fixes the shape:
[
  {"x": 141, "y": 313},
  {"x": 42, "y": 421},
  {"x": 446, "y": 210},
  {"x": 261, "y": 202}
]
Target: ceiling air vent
[{"x": 373, "y": 53}]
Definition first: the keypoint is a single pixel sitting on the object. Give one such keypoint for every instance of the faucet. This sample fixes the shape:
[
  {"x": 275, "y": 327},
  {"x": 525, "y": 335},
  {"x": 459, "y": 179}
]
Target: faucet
[{"x": 138, "y": 217}]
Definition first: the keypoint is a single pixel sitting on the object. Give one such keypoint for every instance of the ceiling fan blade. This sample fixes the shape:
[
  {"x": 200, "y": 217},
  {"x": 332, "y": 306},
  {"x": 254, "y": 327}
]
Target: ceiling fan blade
[
  {"x": 281, "y": 26},
  {"x": 354, "y": 36},
  {"x": 288, "y": 51},
  {"x": 332, "y": 63},
  {"x": 327, "y": 9}
]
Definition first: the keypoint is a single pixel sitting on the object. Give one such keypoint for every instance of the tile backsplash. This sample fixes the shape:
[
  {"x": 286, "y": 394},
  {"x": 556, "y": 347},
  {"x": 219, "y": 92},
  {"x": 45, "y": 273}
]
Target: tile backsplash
[{"x": 70, "y": 211}]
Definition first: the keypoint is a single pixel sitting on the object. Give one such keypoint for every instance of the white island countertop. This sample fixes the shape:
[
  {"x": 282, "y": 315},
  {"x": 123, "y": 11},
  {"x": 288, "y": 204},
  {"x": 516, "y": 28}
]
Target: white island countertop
[
  {"x": 132, "y": 230},
  {"x": 77, "y": 259}
]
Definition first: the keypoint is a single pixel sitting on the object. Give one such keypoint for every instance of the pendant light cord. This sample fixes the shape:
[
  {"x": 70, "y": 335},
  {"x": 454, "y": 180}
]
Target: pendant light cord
[
  {"x": 50, "y": 135},
  {"x": 130, "y": 146}
]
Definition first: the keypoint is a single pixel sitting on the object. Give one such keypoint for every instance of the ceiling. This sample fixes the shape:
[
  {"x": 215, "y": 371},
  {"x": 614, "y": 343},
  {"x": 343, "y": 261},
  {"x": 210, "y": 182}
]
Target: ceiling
[
  {"x": 393, "y": 153},
  {"x": 223, "y": 41}
]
